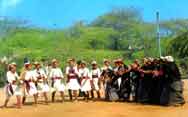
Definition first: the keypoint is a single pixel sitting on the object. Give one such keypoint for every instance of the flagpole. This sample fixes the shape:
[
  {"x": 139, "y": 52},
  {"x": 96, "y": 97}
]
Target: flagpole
[{"x": 158, "y": 34}]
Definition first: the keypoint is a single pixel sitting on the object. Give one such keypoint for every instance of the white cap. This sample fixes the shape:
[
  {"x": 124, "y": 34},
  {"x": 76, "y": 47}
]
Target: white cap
[
  {"x": 27, "y": 63},
  {"x": 93, "y": 62},
  {"x": 169, "y": 58}
]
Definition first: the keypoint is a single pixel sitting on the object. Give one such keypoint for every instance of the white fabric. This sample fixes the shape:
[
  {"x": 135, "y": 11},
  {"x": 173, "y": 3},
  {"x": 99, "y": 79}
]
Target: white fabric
[
  {"x": 17, "y": 90},
  {"x": 33, "y": 89},
  {"x": 95, "y": 81},
  {"x": 73, "y": 84},
  {"x": 58, "y": 85},
  {"x": 85, "y": 83},
  {"x": 41, "y": 85}
]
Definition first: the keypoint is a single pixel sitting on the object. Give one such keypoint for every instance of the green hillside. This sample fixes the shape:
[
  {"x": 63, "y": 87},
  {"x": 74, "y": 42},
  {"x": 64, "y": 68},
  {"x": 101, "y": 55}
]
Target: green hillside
[{"x": 119, "y": 33}]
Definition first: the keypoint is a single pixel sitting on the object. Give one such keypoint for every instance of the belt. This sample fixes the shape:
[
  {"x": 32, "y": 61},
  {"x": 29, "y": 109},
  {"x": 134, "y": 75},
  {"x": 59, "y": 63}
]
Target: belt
[
  {"x": 72, "y": 77},
  {"x": 85, "y": 77},
  {"x": 56, "y": 78},
  {"x": 28, "y": 81},
  {"x": 94, "y": 76}
]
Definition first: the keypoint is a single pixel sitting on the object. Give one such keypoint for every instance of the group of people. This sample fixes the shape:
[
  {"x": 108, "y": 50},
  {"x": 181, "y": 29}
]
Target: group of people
[{"x": 155, "y": 81}]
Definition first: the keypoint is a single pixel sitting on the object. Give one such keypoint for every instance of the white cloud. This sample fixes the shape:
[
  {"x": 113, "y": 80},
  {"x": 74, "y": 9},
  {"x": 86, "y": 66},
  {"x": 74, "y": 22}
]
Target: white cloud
[{"x": 8, "y": 4}]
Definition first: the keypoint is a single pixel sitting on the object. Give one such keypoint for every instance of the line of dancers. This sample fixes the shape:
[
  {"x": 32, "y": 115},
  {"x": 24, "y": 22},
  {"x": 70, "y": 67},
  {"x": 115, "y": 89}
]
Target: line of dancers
[{"x": 118, "y": 83}]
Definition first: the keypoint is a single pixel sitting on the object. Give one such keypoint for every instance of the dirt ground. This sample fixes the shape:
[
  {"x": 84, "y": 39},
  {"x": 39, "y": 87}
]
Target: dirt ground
[{"x": 94, "y": 109}]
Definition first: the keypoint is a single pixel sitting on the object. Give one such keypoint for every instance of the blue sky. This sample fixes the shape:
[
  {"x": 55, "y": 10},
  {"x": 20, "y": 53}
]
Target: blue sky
[{"x": 64, "y": 13}]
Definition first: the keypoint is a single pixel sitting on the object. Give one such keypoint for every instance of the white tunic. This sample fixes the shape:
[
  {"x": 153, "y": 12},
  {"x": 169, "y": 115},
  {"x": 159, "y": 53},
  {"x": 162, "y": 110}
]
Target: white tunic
[
  {"x": 31, "y": 89},
  {"x": 72, "y": 73},
  {"x": 16, "y": 88},
  {"x": 95, "y": 75},
  {"x": 41, "y": 77},
  {"x": 85, "y": 79},
  {"x": 56, "y": 76}
]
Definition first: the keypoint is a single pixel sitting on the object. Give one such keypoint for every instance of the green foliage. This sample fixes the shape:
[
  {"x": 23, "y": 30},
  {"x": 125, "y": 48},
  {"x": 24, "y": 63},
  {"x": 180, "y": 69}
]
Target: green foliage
[
  {"x": 120, "y": 33},
  {"x": 179, "y": 45}
]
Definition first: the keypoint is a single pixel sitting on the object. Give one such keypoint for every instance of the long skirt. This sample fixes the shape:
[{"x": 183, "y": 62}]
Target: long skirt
[
  {"x": 125, "y": 89},
  {"x": 111, "y": 91},
  {"x": 172, "y": 93}
]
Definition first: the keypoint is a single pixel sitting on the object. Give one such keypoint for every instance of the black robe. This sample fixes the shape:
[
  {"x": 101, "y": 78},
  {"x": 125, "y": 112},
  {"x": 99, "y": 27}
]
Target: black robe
[
  {"x": 172, "y": 93},
  {"x": 134, "y": 82},
  {"x": 145, "y": 84},
  {"x": 111, "y": 86}
]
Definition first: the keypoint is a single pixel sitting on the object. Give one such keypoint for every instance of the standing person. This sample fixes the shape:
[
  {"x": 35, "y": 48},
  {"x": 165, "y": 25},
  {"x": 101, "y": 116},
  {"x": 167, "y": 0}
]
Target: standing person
[
  {"x": 72, "y": 79},
  {"x": 95, "y": 75},
  {"x": 85, "y": 80},
  {"x": 78, "y": 65},
  {"x": 123, "y": 74},
  {"x": 29, "y": 82},
  {"x": 14, "y": 85},
  {"x": 134, "y": 80},
  {"x": 172, "y": 93},
  {"x": 145, "y": 82},
  {"x": 57, "y": 77},
  {"x": 42, "y": 83},
  {"x": 105, "y": 70}
]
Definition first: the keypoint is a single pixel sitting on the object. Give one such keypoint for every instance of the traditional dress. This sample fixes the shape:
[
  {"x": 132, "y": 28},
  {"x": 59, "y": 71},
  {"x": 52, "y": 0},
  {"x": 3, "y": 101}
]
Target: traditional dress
[
  {"x": 30, "y": 80},
  {"x": 72, "y": 74},
  {"x": 95, "y": 75},
  {"x": 56, "y": 77},
  {"x": 42, "y": 85},
  {"x": 85, "y": 79},
  {"x": 14, "y": 85},
  {"x": 172, "y": 93}
]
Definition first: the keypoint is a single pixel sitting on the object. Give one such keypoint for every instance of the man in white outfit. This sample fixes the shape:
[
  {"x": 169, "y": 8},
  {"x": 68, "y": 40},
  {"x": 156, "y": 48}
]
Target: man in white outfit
[
  {"x": 42, "y": 84},
  {"x": 14, "y": 86},
  {"x": 95, "y": 75},
  {"x": 57, "y": 77},
  {"x": 73, "y": 85},
  {"x": 84, "y": 75},
  {"x": 29, "y": 82}
]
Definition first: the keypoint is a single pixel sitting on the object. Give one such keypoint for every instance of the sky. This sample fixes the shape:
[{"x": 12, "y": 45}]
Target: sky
[{"x": 64, "y": 13}]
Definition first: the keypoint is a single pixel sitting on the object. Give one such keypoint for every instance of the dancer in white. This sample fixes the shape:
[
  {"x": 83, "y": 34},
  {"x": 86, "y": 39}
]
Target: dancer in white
[
  {"x": 14, "y": 85},
  {"x": 95, "y": 75},
  {"x": 72, "y": 79},
  {"x": 85, "y": 80},
  {"x": 42, "y": 81},
  {"x": 29, "y": 82},
  {"x": 57, "y": 78}
]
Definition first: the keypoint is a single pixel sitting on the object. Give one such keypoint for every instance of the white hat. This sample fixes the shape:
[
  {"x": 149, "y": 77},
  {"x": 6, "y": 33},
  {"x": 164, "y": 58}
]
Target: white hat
[
  {"x": 169, "y": 58},
  {"x": 27, "y": 63},
  {"x": 54, "y": 60},
  {"x": 36, "y": 63},
  {"x": 83, "y": 62},
  {"x": 151, "y": 59},
  {"x": 93, "y": 62}
]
